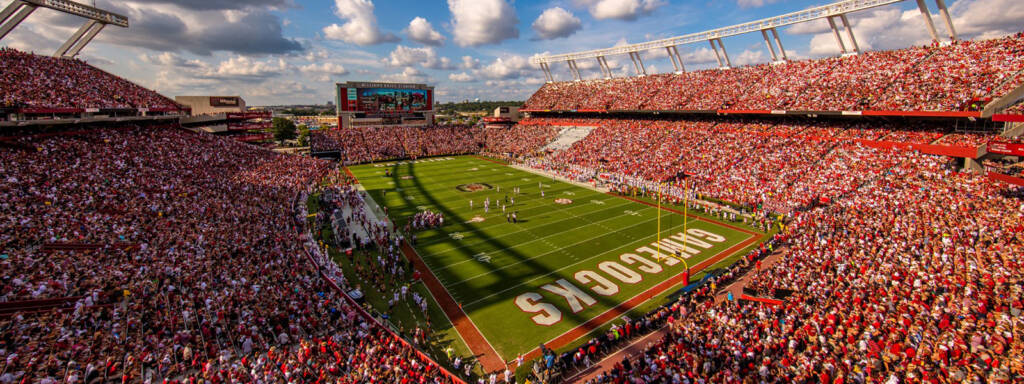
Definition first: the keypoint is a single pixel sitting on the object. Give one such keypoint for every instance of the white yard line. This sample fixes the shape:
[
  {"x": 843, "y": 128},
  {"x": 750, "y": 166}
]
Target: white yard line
[
  {"x": 447, "y": 266},
  {"x": 551, "y": 272}
]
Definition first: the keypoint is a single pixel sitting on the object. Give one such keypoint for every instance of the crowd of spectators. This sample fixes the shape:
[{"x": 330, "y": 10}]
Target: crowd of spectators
[
  {"x": 928, "y": 78},
  {"x": 773, "y": 164},
  {"x": 912, "y": 277},
  {"x": 519, "y": 140},
  {"x": 36, "y": 81},
  {"x": 367, "y": 144},
  {"x": 199, "y": 270}
]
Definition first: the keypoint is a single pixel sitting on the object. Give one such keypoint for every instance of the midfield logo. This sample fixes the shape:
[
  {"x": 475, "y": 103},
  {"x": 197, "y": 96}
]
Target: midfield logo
[{"x": 473, "y": 187}]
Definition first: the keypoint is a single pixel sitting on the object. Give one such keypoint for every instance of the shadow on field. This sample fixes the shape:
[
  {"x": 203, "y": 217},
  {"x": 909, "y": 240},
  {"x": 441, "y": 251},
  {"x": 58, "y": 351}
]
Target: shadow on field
[{"x": 526, "y": 269}]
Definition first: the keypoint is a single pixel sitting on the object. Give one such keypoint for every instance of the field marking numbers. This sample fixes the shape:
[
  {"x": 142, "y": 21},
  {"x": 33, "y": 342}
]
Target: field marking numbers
[
  {"x": 631, "y": 212},
  {"x": 457, "y": 236},
  {"x": 569, "y": 193},
  {"x": 598, "y": 202},
  {"x": 482, "y": 257}
]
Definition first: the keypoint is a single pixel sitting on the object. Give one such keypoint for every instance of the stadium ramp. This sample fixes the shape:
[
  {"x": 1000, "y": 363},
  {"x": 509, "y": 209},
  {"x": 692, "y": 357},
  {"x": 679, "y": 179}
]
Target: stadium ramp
[{"x": 567, "y": 137}]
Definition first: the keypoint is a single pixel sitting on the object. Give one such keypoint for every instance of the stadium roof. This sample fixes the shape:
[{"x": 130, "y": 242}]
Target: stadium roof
[{"x": 830, "y": 11}]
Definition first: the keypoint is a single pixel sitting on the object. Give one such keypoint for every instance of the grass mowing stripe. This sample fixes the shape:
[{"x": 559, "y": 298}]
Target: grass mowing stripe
[
  {"x": 613, "y": 251},
  {"x": 508, "y": 254},
  {"x": 529, "y": 230},
  {"x": 523, "y": 213}
]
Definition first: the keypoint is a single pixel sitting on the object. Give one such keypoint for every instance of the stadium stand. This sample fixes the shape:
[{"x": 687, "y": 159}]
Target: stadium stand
[
  {"x": 366, "y": 144},
  {"x": 43, "y": 83},
  {"x": 183, "y": 259},
  {"x": 900, "y": 264},
  {"x": 144, "y": 253},
  {"x": 930, "y": 78},
  {"x": 879, "y": 293}
]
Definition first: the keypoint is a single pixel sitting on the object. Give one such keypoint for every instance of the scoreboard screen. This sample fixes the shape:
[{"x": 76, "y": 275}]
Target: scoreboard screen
[
  {"x": 388, "y": 100},
  {"x": 384, "y": 98}
]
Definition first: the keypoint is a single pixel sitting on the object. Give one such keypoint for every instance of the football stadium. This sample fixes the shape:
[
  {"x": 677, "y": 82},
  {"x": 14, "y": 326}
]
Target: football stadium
[{"x": 848, "y": 208}]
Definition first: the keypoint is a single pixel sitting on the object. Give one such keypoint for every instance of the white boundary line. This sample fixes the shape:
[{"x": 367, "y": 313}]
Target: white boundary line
[
  {"x": 692, "y": 272},
  {"x": 369, "y": 200}
]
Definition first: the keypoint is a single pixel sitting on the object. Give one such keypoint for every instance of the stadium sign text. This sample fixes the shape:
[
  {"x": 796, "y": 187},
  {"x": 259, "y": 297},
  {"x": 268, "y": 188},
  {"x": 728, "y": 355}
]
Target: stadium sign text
[{"x": 614, "y": 274}]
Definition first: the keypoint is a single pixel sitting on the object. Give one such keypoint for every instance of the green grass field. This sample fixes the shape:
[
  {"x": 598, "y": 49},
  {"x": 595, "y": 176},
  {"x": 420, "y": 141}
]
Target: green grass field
[{"x": 579, "y": 259}]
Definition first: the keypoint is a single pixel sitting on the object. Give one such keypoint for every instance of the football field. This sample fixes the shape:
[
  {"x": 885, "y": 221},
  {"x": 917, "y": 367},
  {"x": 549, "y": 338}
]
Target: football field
[{"x": 576, "y": 260}]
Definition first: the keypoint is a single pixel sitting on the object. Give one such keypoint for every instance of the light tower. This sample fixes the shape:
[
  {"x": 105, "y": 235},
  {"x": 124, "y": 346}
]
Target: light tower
[{"x": 18, "y": 10}]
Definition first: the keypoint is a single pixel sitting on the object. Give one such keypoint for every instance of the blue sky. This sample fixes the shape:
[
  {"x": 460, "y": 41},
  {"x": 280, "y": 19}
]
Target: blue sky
[{"x": 293, "y": 51}]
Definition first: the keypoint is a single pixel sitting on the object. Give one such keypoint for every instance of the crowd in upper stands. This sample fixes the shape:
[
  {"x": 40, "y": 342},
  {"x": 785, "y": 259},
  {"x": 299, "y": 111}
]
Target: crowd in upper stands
[
  {"x": 913, "y": 277},
  {"x": 956, "y": 77},
  {"x": 36, "y": 81},
  {"x": 518, "y": 140},
  {"x": 195, "y": 269},
  {"x": 368, "y": 144},
  {"x": 778, "y": 165}
]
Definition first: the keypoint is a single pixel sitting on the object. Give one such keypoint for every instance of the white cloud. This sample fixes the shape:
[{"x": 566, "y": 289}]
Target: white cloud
[
  {"x": 620, "y": 9},
  {"x": 699, "y": 56},
  {"x": 426, "y": 57},
  {"x": 892, "y": 28},
  {"x": 754, "y": 3},
  {"x": 360, "y": 25},
  {"x": 241, "y": 67},
  {"x": 556, "y": 22},
  {"x": 460, "y": 77},
  {"x": 422, "y": 32},
  {"x": 748, "y": 57},
  {"x": 480, "y": 22},
  {"x": 507, "y": 67},
  {"x": 324, "y": 68},
  {"x": 409, "y": 74},
  {"x": 170, "y": 59},
  {"x": 470, "y": 62}
]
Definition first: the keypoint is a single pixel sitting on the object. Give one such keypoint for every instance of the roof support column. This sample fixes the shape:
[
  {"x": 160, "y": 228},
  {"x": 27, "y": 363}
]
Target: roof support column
[
  {"x": 717, "y": 56},
  {"x": 572, "y": 68},
  {"x": 10, "y": 9},
  {"x": 637, "y": 63},
  {"x": 928, "y": 19},
  {"x": 11, "y": 19},
  {"x": 675, "y": 64},
  {"x": 63, "y": 50},
  {"x": 639, "y": 60},
  {"x": 728, "y": 63},
  {"x": 849, "y": 33},
  {"x": 547, "y": 72},
  {"x": 768, "y": 43},
  {"x": 778, "y": 42},
  {"x": 945, "y": 16},
  {"x": 675, "y": 52},
  {"x": 835, "y": 33},
  {"x": 86, "y": 39},
  {"x": 607, "y": 67}
]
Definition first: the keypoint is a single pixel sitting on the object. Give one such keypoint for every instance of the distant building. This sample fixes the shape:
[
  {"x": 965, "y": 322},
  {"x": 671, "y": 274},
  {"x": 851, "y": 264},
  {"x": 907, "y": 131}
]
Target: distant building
[
  {"x": 212, "y": 105},
  {"x": 511, "y": 113}
]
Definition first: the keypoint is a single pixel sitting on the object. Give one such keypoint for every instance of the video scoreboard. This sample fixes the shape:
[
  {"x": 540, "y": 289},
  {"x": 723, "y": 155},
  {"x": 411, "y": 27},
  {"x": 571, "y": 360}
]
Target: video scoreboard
[{"x": 377, "y": 98}]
